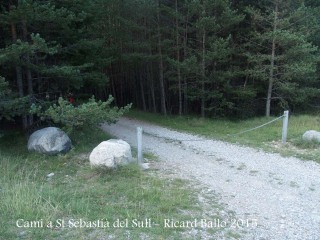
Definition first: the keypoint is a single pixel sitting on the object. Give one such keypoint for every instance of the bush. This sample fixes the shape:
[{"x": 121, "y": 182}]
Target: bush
[{"x": 87, "y": 114}]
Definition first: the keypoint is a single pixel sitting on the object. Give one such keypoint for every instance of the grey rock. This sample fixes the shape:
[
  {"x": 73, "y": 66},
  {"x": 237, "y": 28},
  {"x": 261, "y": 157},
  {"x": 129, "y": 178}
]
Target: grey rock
[
  {"x": 50, "y": 141},
  {"x": 111, "y": 153},
  {"x": 22, "y": 234},
  {"x": 311, "y": 135}
]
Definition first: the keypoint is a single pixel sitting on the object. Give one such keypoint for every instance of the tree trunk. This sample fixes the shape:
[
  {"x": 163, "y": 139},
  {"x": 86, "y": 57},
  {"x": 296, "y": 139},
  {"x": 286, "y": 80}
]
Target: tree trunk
[
  {"x": 27, "y": 57},
  {"x": 150, "y": 75},
  {"x": 178, "y": 61},
  {"x": 19, "y": 76},
  {"x": 122, "y": 80},
  {"x": 28, "y": 71},
  {"x": 272, "y": 60},
  {"x": 203, "y": 73},
  {"x": 152, "y": 90},
  {"x": 142, "y": 91},
  {"x": 203, "y": 64},
  {"x": 18, "y": 68},
  {"x": 161, "y": 68},
  {"x": 113, "y": 88},
  {"x": 185, "y": 83}
]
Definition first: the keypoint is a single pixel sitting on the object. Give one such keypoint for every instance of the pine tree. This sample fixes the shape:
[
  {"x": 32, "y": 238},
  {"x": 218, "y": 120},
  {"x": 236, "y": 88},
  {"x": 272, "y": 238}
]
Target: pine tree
[
  {"x": 282, "y": 56},
  {"x": 50, "y": 49},
  {"x": 212, "y": 41}
]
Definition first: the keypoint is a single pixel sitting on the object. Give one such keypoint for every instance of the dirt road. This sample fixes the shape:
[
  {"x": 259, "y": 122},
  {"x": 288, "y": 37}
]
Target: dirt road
[{"x": 281, "y": 194}]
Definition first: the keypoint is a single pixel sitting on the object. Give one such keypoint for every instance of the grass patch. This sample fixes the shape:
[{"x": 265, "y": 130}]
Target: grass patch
[
  {"x": 267, "y": 138},
  {"x": 300, "y": 143},
  {"x": 52, "y": 207}
]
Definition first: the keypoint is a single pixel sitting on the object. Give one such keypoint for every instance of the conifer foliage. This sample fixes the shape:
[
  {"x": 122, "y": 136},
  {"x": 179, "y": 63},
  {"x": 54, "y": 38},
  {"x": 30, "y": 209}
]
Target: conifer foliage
[{"x": 208, "y": 57}]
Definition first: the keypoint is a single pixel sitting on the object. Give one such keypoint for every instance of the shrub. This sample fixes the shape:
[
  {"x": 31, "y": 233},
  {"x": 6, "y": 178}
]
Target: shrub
[{"x": 87, "y": 114}]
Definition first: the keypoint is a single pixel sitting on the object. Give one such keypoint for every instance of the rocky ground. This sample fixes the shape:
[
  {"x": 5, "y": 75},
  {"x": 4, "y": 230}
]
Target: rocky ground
[{"x": 269, "y": 196}]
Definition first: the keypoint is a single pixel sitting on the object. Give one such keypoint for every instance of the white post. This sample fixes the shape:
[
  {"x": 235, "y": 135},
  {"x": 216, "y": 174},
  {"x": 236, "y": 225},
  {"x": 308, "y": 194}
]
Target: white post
[
  {"x": 139, "y": 138},
  {"x": 285, "y": 126}
]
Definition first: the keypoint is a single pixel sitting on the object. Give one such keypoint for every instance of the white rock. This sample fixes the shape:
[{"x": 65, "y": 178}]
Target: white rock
[
  {"x": 311, "y": 135},
  {"x": 50, "y": 175},
  {"x": 111, "y": 153},
  {"x": 145, "y": 166}
]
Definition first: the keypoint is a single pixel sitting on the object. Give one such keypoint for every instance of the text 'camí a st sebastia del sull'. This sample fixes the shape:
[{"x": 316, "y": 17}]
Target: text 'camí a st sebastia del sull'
[{"x": 137, "y": 223}]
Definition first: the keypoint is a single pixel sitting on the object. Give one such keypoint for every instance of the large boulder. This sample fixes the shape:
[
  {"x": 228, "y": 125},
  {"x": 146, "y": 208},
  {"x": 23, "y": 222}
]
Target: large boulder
[
  {"x": 111, "y": 154},
  {"x": 50, "y": 141},
  {"x": 311, "y": 135}
]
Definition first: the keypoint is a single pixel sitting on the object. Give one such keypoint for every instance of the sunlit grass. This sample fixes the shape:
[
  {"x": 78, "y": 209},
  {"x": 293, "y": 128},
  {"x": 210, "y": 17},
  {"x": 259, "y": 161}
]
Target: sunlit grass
[
  {"x": 266, "y": 137},
  {"x": 77, "y": 191}
]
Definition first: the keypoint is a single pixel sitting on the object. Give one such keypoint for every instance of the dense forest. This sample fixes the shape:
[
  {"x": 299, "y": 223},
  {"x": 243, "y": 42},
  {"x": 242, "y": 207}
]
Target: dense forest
[{"x": 214, "y": 58}]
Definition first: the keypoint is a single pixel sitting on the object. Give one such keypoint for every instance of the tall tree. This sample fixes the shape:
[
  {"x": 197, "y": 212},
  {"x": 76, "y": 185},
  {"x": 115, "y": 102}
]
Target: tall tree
[
  {"x": 177, "y": 33},
  {"x": 213, "y": 49},
  {"x": 161, "y": 67},
  {"x": 282, "y": 54}
]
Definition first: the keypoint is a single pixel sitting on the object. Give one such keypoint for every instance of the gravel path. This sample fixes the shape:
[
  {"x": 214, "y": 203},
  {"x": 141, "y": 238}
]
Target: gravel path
[{"x": 282, "y": 194}]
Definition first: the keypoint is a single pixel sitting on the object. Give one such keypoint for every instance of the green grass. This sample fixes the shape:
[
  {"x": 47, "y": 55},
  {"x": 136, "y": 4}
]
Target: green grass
[
  {"x": 76, "y": 191},
  {"x": 267, "y": 138}
]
